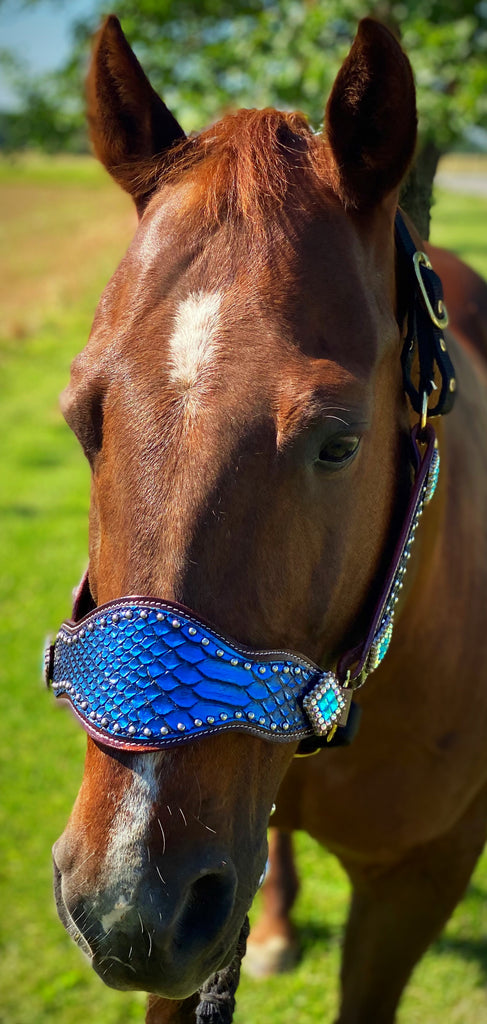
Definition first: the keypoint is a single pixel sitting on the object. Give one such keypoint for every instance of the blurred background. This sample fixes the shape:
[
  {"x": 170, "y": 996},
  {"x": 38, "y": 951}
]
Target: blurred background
[{"x": 63, "y": 228}]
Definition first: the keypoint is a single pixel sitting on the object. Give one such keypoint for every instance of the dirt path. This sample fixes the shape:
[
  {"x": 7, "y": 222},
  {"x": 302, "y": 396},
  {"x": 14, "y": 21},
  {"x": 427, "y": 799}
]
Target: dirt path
[{"x": 468, "y": 184}]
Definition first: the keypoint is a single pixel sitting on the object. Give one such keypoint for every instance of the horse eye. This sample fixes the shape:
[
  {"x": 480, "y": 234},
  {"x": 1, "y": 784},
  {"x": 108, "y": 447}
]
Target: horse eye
[{"x": 338, "y": 450}]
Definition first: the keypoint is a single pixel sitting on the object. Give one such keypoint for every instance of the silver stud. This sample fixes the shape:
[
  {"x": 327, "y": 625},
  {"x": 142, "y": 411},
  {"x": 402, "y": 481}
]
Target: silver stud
[
  {"x": 297, "y": 671},
  {"x": 261, "y": 721},
  {"x": 147, "y": 732},
  {"x": 116, "y": 727},
  {"x": 115, "y": 618},
  {"x": 198, "y": 721},
  {"x": 219, "y": 653},
  {"x": 91, "y": 626},
  {"x": 175, "y": 623},
  {"x": 286, "y": 669},
  {"x": 248, "y": 666},
  {"x": 205, "y": 641},
  {"x": 250, "y": 715},
  {"x": 93, "y": 715},
  {"x": 99, "y": 716},
  {"x": 234, "y": 661},
  {"x": 81, "y": 633},
  {"x": 143, "y": 614},
  {"x": 84, "y": 705},
  {"x": 104, "y": 722},
  {"x": 238, "y": 714},
  {"x": 210, "y": 719},
  {"x": 275, "y": 668},
  {"x": 128, "y": 613},
  {"x": 160, "y": 617},
  {"x": 181, "y": 726},
  {"x": 163, "y": 730},
  {"x": 131, "y": 729},
  {"x": 273, "y": 726},
  {"x": 192, "y": 631},
  {"x": 262, "y": 670},
  {"x": 223, "y": 716},
  {"x": 286, "y": 726}
]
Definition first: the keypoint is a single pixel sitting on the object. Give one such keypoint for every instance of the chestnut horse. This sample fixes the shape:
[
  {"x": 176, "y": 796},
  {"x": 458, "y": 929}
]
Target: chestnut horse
[{"x": 242, "y": 405}]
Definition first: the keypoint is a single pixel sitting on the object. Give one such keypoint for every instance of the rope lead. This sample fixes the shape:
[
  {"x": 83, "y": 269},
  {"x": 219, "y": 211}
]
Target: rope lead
[{"x": 217, "y": 995}]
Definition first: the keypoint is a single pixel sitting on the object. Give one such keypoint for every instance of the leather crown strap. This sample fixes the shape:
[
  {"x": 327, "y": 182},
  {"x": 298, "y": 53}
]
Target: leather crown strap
[{"x": 146, "y": 674}]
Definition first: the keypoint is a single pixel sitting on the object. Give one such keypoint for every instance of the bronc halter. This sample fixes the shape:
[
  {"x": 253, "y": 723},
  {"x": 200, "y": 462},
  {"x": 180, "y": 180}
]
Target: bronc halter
[{"x": 146, "y": 674}]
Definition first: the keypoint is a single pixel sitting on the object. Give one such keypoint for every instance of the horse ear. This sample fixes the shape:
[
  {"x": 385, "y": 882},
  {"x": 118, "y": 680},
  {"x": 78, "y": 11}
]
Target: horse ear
[
  {"x": 371, "y": 117},
  {"x": 128, "y": 121}
]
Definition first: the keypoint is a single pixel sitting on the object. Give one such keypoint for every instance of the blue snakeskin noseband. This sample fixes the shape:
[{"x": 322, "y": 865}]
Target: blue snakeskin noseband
[
  {"x": 146, "y": 674},
  {"x": 149, "y": 672}
]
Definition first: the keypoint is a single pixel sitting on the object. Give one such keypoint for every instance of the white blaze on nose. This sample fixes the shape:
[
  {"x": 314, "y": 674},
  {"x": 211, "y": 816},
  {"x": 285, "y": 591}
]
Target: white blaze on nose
[
  {"x": 192, "y": 343},
  {"x": 127, "y": 847}
]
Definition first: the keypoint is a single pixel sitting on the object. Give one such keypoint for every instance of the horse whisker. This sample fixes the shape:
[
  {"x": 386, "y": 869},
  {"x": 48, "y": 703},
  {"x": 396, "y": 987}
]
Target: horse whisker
[
  {"x": 111, "y": 956},
  {"x": 163, "y": 880},
  {"x": 163, "y": 837},
  {"x": 200, "y": 822},
  {"x": 83, "y": 862}
]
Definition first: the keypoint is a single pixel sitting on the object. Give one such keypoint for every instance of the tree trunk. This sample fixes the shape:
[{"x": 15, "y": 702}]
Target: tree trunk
[{"x": 417, "y": 190}]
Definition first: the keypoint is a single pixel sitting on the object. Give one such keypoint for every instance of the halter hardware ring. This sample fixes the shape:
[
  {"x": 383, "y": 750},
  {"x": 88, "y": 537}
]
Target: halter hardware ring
[{"x": 439, "y": 319}]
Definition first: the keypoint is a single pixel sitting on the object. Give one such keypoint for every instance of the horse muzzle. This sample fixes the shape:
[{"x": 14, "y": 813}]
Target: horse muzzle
[{"x": 163, "y": 939}]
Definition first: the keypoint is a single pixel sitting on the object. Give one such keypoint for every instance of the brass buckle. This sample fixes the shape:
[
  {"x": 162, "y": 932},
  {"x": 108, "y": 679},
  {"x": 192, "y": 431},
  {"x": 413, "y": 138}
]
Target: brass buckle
[{"x": 441, "y": 319}]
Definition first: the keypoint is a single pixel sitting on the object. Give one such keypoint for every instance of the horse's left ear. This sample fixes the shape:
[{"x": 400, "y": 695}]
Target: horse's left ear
[
  {"x": 371, "y": 117},
  {"x": 129, "y": 123}
]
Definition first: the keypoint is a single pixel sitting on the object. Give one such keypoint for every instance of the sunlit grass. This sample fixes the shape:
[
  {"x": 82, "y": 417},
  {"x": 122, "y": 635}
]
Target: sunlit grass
[
  {"x": 459, "y": 222},
  {"x": 65, "y": 227}
]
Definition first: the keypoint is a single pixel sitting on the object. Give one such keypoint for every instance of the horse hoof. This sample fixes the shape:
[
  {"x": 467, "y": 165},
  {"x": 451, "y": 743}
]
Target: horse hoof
[{"x": 274, "y": 956}]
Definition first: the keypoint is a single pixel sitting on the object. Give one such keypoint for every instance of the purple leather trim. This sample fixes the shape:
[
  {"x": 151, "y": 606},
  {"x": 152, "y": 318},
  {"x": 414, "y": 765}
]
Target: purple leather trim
[{"x": 352, "y": 663}]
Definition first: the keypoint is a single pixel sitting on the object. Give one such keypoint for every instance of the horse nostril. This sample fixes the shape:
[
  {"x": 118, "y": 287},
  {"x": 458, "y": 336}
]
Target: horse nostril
[{"x": 208, "y": 904}]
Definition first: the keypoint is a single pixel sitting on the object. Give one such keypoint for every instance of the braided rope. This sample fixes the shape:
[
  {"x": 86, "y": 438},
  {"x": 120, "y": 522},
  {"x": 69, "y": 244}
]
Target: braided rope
[{"x": 217, "y": 995}]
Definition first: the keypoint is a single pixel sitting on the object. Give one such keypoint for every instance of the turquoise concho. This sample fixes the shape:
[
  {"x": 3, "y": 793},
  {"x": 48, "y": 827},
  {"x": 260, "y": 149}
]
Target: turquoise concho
[{"x": 327, "y": 704}]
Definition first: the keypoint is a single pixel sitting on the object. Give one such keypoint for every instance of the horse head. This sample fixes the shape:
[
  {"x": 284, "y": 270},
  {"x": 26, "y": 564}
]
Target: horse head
[{"x": 240, "y": 402}]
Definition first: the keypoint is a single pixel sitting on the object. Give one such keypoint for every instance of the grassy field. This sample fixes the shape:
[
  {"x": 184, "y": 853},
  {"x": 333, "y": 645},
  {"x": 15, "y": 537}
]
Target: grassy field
[{"x": 63, "y": 227}]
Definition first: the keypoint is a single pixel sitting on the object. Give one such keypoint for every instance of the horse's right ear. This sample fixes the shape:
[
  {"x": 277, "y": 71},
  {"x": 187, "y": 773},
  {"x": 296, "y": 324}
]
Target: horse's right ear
[{"x": 128, "y": 121}]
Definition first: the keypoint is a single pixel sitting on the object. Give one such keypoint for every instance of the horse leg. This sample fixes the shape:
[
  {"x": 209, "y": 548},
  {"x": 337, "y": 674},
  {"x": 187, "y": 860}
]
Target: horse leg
[
  {"x": 396, "y": 914},
  {"x": 272, "y": 947},
  {"x": 171, "y": 1011}
]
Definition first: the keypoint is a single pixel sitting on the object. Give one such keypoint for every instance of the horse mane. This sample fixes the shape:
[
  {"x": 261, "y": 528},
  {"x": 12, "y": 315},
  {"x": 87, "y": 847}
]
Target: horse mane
[{"x": 242, "y": 168}]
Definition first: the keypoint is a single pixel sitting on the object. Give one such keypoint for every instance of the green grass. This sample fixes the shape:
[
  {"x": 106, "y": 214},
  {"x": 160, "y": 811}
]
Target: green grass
[
  {"x": 62, "y": 169},
  {"x": 43, "y": 542},
  {"x": 459, "y": 222}
]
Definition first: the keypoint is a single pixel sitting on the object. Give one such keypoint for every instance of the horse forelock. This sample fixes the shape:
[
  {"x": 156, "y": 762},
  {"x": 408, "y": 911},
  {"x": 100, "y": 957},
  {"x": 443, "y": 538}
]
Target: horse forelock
[{"x": 246, "y": 166}]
